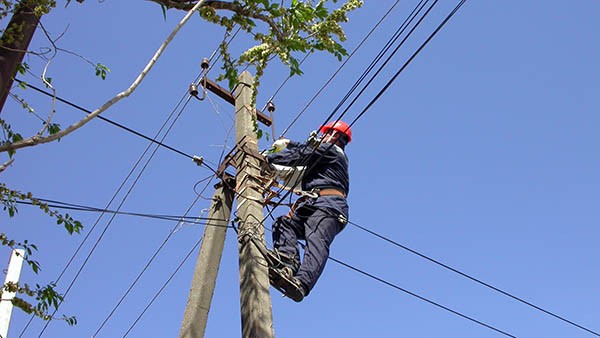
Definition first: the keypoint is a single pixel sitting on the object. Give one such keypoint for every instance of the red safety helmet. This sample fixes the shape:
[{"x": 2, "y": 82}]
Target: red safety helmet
[{"x": 340, "y": 126}]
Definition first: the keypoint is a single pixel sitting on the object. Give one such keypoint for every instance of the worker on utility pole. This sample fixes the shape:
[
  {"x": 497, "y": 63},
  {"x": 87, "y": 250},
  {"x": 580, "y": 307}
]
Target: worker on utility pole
[{"x": 316, "y": 217}]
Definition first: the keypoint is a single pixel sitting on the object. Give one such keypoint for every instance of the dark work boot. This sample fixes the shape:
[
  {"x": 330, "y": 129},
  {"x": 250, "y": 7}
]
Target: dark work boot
[
  {"x": 284, "y": 281},
  {"x": 280, "y": 260}
]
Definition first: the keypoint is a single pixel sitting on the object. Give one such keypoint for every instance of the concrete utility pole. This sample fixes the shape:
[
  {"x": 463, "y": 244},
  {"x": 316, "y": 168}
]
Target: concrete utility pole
[
  {"x": 255, "y": 299},
  {"x": 207, "y": 264},
  {"x": 14, "y": 44},
  {"x": 12, "y": 276}
]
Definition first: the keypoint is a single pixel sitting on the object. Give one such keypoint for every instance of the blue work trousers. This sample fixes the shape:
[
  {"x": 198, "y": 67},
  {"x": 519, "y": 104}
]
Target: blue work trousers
[{"x": 318, "y": 227}]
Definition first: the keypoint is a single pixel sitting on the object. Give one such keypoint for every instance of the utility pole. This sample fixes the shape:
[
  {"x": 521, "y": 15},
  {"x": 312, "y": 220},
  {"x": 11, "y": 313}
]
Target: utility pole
[
  {"x": 12, "y": 276},
  {"x": 255, "y": 299},
  {"x": 207, "y": 264},
  {"x": 14, "y": 43}
]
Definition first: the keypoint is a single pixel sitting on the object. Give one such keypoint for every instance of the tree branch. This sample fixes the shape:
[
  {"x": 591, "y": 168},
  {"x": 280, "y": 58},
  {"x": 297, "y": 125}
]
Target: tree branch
[
  {"x": 6, "y": 164},
  {"x": 225, "y": 5},
  {"x": 34, "y": 140}
]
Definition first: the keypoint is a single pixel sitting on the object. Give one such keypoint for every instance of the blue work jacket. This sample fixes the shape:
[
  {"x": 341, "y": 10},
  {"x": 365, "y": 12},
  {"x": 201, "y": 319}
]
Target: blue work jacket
[{"x": 326, "y": 167}]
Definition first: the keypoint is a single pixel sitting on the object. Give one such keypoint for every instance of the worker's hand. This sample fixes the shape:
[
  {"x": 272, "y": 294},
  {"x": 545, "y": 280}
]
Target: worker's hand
[{"x": 280, "y": 144}]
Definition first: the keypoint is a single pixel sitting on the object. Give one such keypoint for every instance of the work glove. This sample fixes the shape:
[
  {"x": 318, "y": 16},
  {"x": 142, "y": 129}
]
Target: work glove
[
  {"x": 313, "y": 139},
  {"x": 280, "y": 144}
]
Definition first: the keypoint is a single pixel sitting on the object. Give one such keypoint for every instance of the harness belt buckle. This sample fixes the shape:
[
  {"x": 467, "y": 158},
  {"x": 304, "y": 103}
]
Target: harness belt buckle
[
  {"x": 343, "y": 219},
  {"x": 314, "y": 193}
]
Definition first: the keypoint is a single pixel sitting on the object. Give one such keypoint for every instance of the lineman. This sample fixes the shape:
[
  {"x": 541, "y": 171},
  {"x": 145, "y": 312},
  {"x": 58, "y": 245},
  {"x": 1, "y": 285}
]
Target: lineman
[{"x": 316, "y": 219}]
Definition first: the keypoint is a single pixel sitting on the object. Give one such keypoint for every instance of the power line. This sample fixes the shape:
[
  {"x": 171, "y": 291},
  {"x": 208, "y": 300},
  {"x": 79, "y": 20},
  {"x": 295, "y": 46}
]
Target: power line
[
  {"x": 398, "y": 33},
  {"x": 163, "y": 287},
  {"x": 78, "y": 207},
  {"x": 146, "y": 266},
  {"x": 389, "y": 83},
  {"x": 381, "y": 280},
  {"x": 474, "y": 279},
  {"x": 340, "y": 68},
  {"x": 152, "y": 140},
  {"x": 101, "y": 236},
  {"x": 420, "y": 297},
  {"x": 116, "y": 124},
  {"x": 121, "y": 186},
  {"x": 157, "y": 251}
]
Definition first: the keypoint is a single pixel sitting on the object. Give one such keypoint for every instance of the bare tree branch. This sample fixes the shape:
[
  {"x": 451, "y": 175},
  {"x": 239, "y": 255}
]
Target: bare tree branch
[
  {"x": 6, "y": 164},
  {"x": 225, "y": 5},
  {"x": 34, "y": 140}
]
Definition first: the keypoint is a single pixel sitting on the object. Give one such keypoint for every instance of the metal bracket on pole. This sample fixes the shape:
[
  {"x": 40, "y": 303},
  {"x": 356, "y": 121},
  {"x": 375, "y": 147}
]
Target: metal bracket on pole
[{"x": 227, "y": 96}]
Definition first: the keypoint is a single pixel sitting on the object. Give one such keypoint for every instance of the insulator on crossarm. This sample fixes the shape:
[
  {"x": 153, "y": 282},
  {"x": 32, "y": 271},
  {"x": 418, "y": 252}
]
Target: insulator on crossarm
[
  {"x": 205, "y": 63},
  {"x": 193, "y": 90}
]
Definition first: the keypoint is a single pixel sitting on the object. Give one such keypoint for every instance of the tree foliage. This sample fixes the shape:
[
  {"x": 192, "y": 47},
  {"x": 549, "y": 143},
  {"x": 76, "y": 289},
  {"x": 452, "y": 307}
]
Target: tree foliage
[
  {"x": 283, "y": 30},
  {"x": 39, "y": 299}
]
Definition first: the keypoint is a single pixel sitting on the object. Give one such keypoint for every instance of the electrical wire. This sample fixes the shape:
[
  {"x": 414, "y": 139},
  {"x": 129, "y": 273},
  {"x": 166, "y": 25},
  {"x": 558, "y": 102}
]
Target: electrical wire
[
  {"x": 149, "y": 262},
  {"x": 158, "y": 250},
  {"x": 79, "y": 207},
  {"x": 163, "y": 287},
  {"x": 381, "y": 280},
  {"x": 152, "y": 140},
  {"x": 116, "y": 124},
  {"x": 107, "y": 226},
  {"x": 474, "y": 279},
  {"x": 122, "y": 185},
  {"x": 365, "y": 38},
  {"x": 398, "y": 33}
]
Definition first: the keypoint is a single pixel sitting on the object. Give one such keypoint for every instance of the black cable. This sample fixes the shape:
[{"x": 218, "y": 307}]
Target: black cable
[
  {"x": 123, "y": 183},
  {"x": 87, "y": 111},
  {"x": 116, "y": 124},
  {"x": 474, "y": 279},
  {"x": 77, "y": 207},
  {"x": 401, "y": 29},
  {"x": 99, "y": 239},
  {"x": 87, "y": 236},
  {"x": 381, "y": 280},
  {"x": 151, "y": 260},
  {"x": 163, "y": 287},
  {"x": 365, "y": 72},
  {"x": 389, "y": 83},
  {"x": 420, "y": 297},
  {"x": 161, "y": 246}
]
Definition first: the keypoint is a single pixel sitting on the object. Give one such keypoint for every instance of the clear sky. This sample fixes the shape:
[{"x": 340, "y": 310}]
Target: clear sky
[{"x": 483, "y": 155}]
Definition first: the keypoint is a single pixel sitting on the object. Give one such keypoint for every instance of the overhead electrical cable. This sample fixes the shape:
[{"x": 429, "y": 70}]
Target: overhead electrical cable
[
  {"x": 133, "y": 184},
  {"x": 147, "y": 265},
  {"x": 156, "y": 294},
  {"x": 309, "y": 103},
  {"x": 116, "y": 124},
  {"x": 123, "y": 183},
  {"x": 121, "y": 186},
  {"x": 474, "y": 279},
  {"x": 158, "y": 250},
  {"x": 398, "y": 33},
  {"x": 391, "y": 81},
  {"x": 381, "y": 280},
  {"x": 79, "y": 207}
]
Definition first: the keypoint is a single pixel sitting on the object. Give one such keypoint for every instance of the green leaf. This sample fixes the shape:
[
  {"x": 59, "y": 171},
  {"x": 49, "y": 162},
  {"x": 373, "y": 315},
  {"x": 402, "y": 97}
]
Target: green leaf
[
  {"x": 53, "y": 128},
  {"x": 102, "y": 71}
]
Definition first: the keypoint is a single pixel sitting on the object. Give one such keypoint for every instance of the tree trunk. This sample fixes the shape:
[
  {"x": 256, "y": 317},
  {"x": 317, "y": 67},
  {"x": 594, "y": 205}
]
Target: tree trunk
[{"x": 14, "y": 44}]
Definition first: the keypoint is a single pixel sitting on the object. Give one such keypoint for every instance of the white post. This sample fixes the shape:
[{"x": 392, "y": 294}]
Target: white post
[{"x": 14, "y": 271}]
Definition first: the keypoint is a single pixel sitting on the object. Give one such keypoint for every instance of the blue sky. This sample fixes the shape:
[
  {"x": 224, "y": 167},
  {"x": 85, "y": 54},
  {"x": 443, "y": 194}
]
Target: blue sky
[{"x": 482, "y": 155}]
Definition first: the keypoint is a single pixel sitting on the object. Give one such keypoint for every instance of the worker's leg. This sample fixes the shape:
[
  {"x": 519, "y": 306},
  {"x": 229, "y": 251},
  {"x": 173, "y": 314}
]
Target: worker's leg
[
  {"x": 286, "y": 232},
  {"x": 321, "y": 229}
]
